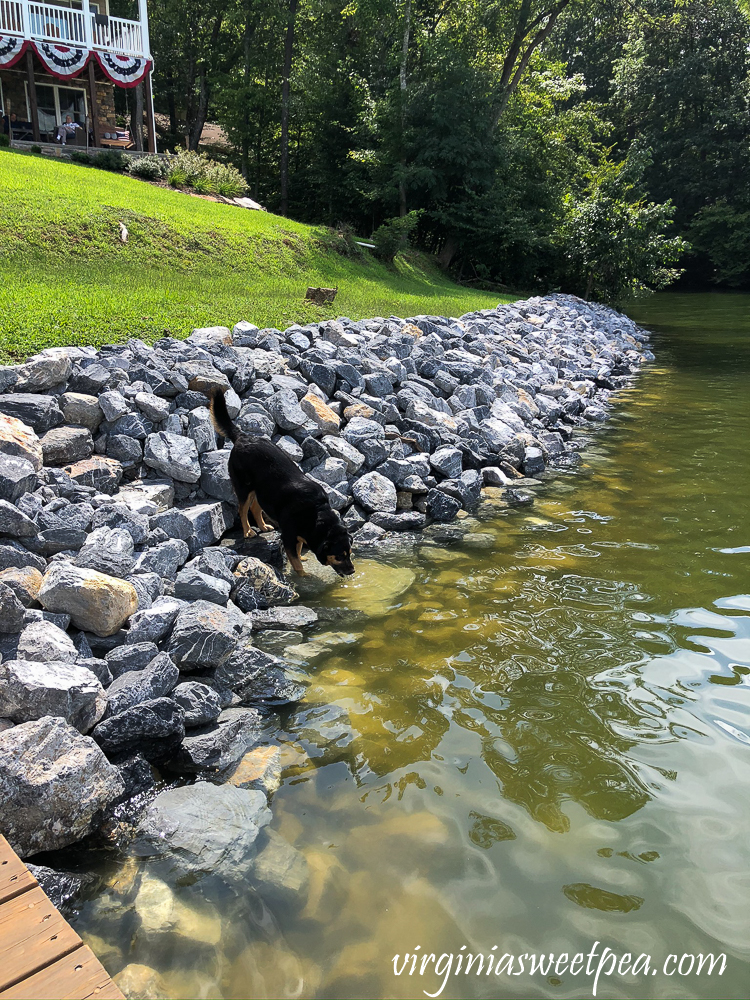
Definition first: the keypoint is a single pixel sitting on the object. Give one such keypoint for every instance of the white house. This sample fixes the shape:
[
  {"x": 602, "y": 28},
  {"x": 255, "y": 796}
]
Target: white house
[{"x": 66, "y": 58}]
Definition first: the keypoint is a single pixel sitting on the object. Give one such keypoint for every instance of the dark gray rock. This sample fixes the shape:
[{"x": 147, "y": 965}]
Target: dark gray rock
[
  {"x": 214, "y": 748},
  {"x": 200, "y": 703},
  {"x": 214, "y": 479},
  {"x": 375, "y": 493},
  {"x": 163, "y": 559},
  {"x": 148, "y": 586},
  {"x": 447, "y": 462},
  {"x": 406, "y": 520},
  {"x": 158, "y": 679},
  {"x": 135, "y": 656},
  {"x": 155, "y": 623},
  {"x": 14, "y": 523},
  {"x": 62, "y": 888},
  {"x": 126, "y": 450},
  {"x": 258, "y": 586},
  {"x": 17, "y": 476},
  {"x": 209, "y": 522},
  {"x": 257, "y": 677},
  {"x": 63, "y": 445},
  {"x": 441, "y": 507},
  {"x": 102, "y": 474},
  {"x": 153, "y": 728},
  {"x": 192, "y": 585},
  {"x": 14, "y": 555},
  {"x": 174, "y": 456},
  {"x": 11, "y": 610},
  {"x": 46, "y": 643},
  {"x": 113, "y": 405},
  {"x": 118, "y": 515},
  {"x": 38, "y": 411}
]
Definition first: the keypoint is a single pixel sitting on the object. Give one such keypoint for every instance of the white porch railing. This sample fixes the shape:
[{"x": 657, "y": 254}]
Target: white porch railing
[
  {"x": 50, "y": 23},
  {"x": 118, "y": 35}
]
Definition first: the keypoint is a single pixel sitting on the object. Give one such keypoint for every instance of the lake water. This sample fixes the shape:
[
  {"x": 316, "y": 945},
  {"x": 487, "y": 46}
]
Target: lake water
[{"x": 534, "y": 747}]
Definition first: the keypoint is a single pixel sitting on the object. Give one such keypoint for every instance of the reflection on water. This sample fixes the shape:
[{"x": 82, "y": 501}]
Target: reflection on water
[{"x": 534, "y": 740}]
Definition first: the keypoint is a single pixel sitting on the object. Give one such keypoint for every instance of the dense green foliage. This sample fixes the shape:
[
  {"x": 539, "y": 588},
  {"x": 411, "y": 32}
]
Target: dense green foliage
[
  {"x": 66, "y": 277},
  {"x": 499, "y": 119}
]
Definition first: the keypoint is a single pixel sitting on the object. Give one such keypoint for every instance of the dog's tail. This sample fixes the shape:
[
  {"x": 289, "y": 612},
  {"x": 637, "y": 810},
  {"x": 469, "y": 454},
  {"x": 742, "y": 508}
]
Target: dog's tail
[{"x": 220, "y": 416}]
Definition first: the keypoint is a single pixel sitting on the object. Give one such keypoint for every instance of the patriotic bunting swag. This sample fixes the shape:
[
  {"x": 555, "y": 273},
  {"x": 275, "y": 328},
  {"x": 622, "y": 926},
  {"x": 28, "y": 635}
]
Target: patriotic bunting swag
[
  {"x": 11, "y": 50},
  {"x": 125, "y": 71},
  {"x": 62, "y": 61},
  {"x": 67, "y": 61}
]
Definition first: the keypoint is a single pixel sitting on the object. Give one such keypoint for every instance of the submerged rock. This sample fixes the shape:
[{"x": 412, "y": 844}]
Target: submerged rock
[{"x": 206, "y": 829}]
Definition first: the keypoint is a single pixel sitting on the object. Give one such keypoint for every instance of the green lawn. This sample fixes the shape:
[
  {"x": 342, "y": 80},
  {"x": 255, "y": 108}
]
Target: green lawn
[{"x": 67, "y": 278}]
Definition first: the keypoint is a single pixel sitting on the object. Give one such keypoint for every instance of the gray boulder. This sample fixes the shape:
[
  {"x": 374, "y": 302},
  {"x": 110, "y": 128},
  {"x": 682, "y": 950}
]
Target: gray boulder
[
  {"x": 192, "y": 585},
  {"x": 175, "y": 456},
  {"x": 214, "y": 748},
  {"x": 108, "y": 550},
  {"x": 38, "y": 411},
  {"x": 258, "y": 586},
  {"x": 11, "y": 610},
  {"x": 203, "y": 636},
  {"x": 135, "y": 656},
  {"x": 163, "y": 559},
  {"x": 257, "y": 677},
  {"x": 46, "y": 643},
  {"x": 447, "y": 462},
  {"x": 55, "y": 785},
  {"x": 17, "y": 476},
  {"x": 30, "y": 690},
  {"x": 155, "y": 623},
  {"x": 43, "y": 371},
  {"x": 118, "y": 515},
  {"x": 209, "y": 522},
  {"x": 375, "y": 492},
  {"x": 214, "y": 479}
]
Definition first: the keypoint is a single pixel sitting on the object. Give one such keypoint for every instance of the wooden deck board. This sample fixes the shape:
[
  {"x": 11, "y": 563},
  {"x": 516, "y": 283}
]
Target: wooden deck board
[{"x": 40, "y": 954}]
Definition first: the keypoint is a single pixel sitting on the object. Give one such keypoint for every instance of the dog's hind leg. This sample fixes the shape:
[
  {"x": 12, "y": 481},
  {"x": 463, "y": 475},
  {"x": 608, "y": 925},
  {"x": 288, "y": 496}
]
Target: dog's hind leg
[
  {"x": 244, "y": 505},
  {"x": 258, "y": 513},
  {"x": 300, "y": 543}
]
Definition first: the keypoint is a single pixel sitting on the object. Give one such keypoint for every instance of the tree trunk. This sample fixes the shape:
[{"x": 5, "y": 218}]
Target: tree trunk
[
  {"x": 447, "y": 252},
  {"x": 171, "y": 107},
  {"x": 202, "y": 110},
  {"x": 288, "y": 48},
  {"x": 245, "y": 150},
  {"x": 402, "y": 84},
  {"x": 136, "y": 121}
]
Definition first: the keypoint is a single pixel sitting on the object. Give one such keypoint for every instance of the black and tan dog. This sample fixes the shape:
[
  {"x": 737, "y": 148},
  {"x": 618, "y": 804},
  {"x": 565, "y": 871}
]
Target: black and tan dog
[{"x": 266, "y": 480}]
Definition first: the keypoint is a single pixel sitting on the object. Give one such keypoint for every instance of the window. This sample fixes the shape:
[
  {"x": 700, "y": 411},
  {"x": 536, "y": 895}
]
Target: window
[{"x": 55, "y": 102}]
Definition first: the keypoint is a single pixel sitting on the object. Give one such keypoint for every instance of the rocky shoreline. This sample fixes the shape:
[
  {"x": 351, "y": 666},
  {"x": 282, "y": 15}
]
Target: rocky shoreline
[{"x": 131, "y": 610}]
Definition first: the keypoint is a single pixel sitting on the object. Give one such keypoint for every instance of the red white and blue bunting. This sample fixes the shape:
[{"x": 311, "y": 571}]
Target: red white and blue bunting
[
  {"x": 11, "y": 50},
  {"x": 68, "y": 61},
  {"x": 63, "y": 61},
  {"x": 124, "y": 71}
]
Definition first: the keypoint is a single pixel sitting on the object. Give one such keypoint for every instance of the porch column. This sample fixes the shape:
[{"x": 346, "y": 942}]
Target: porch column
[
  {"x": 88, "y": 32},
  {"x": 92, "y": 102},
  {"x": 143, "y": 18},
  {"x": 149, "y": 99},
  {"x": 32, "y": 95}
]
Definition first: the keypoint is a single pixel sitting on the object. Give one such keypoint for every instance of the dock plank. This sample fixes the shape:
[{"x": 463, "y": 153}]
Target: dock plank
[
  {"x": 40, "y": 954},
  {"x": 15, "y": 877},
  {"x": 77, "y": 976}
]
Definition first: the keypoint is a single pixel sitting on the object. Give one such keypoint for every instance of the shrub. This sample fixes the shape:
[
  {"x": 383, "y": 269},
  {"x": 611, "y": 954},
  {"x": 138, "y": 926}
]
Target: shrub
[
  {"x": 110, "y": 159},
  {"x": 82, "y": 157},
  {"x": 4, "y": 139},
  {"x": 340, "y": 240},
  {"x": 206, "y": 176},
  {"x": 149, "y": 168},
  {"x": 36, "y": 149},
  {"x": 177, "y": 178},
  {"x": 393, "y": 236}
]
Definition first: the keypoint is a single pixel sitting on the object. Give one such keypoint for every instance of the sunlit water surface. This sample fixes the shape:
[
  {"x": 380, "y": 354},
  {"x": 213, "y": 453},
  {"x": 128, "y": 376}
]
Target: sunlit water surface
[{"x": 537, "y": 746}]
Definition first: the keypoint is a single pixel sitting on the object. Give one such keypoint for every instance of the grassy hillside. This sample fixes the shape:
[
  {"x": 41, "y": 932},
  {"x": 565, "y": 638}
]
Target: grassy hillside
[{"x": 67, "y": 278}]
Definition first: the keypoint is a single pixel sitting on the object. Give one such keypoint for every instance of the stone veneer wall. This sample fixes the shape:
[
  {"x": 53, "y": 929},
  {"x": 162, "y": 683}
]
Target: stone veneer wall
[{"x": 13, "y": 84}]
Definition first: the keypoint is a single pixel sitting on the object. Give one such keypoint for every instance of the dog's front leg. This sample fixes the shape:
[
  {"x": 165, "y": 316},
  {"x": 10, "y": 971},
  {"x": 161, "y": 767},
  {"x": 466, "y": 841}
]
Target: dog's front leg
[{"x": 295, "y": 561}]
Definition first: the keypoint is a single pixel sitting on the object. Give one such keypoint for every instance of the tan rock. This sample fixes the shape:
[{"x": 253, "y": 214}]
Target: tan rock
[
  {"x": 259, "y": 768},
  {"x": 95, "y": 602},
  {"x": 24, "y": 583},
  {"x": 104, "y": 474},
  {"x": 164, "y": 914},
  {"x": 140, "y": 982},
  {"x": 360, "y": 410},
  {"x": 320, "y": 413},
  {"x": 412, "y": 330},
  {"x": 19, "y": 440}
]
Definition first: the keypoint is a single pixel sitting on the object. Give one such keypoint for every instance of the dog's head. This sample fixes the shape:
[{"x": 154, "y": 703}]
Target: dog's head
[{"x": 336, "y": 549}]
